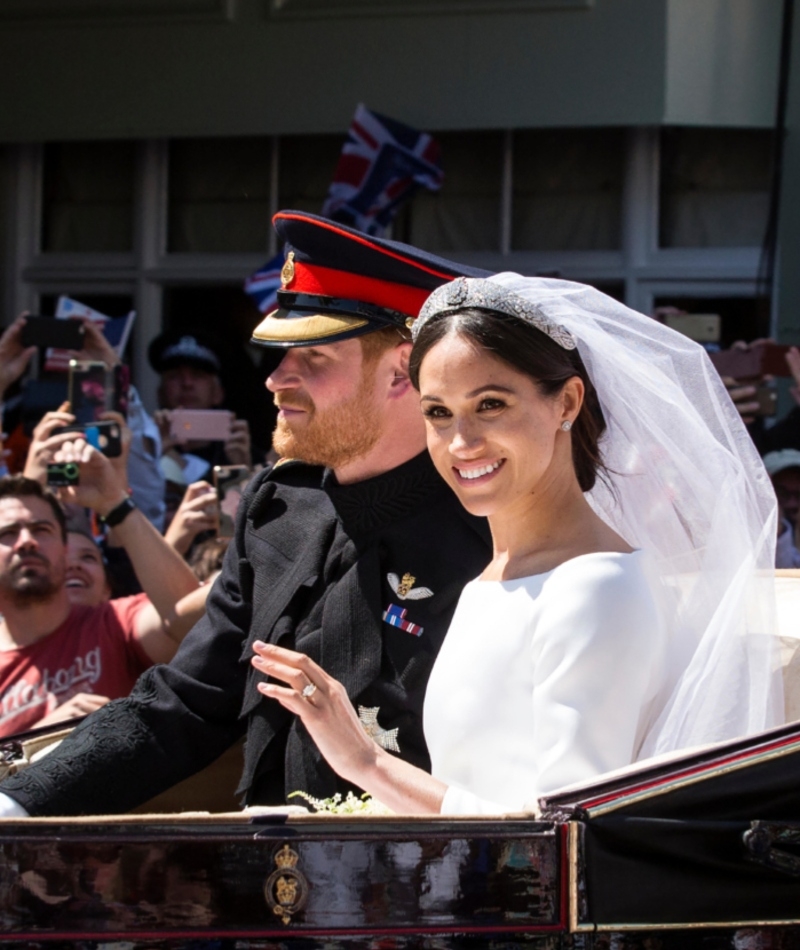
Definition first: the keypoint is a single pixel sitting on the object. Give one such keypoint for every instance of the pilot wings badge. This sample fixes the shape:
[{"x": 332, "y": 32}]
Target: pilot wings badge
[{"x": 405, "y": 589}]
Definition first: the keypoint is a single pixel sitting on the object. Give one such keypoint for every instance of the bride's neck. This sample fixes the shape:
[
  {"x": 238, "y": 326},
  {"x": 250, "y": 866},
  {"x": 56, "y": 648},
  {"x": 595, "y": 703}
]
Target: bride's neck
[{"x": 545, "y": 529}]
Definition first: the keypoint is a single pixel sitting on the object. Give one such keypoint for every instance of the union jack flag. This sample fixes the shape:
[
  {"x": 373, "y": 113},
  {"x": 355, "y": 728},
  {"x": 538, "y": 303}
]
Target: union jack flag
[
  {"x": 263, "y": 286},
  {"x": 382, "y": 164}
]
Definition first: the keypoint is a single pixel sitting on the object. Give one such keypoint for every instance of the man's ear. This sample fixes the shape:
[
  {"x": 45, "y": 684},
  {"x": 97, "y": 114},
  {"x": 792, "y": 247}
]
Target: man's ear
[{"x": 400, "y": 382}]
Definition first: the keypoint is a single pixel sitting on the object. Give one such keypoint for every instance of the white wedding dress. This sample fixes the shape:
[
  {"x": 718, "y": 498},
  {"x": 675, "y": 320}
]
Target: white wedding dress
[{"x": 545, "y": 681}]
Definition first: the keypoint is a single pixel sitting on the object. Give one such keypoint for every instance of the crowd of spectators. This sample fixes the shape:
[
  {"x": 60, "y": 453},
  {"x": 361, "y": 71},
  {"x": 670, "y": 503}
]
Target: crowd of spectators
[
  {"x": 777, "y": 438},
  {"x": 104, "y": 577}
]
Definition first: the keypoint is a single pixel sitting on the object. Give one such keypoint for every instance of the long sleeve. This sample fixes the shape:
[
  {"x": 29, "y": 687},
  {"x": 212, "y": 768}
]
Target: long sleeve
[{"x": 553, "y": 682}]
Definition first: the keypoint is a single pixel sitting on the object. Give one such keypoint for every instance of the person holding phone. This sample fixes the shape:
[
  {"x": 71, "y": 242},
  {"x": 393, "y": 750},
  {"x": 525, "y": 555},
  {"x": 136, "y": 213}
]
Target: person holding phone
[
  {"x": 190, "y": 367},
  {"x": 65, "y": 648},
  {"x": 196, "y": 432}
]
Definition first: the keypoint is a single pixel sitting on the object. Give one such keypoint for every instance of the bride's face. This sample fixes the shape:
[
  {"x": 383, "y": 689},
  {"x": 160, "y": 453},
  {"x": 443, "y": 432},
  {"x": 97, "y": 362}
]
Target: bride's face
[{"x": 494, "y": 438}]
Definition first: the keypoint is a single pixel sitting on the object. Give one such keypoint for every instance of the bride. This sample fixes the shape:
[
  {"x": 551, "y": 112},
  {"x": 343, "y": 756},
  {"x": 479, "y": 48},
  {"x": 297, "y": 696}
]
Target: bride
[{"x": 626, "y": 610}]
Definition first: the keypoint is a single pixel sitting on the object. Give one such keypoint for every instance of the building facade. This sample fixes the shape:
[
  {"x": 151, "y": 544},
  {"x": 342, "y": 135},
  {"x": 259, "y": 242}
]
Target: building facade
[{"x": 144, "y": 145}]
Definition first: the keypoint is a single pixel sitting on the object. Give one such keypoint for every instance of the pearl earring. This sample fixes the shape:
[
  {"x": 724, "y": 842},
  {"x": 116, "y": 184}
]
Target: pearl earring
[{"x": 566, "y": 425}]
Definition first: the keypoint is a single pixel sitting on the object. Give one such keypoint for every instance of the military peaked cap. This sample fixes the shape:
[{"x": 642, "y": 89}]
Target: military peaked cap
[{"x": 339, "y": 283}]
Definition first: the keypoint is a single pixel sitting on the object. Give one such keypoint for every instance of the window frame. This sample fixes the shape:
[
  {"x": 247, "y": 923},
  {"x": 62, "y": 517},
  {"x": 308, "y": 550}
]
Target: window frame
[{"x": 644, "y": 269}]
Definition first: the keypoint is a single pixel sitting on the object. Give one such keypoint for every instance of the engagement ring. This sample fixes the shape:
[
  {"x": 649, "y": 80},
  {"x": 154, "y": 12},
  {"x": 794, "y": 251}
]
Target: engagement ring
[{"x": 308, "y": 691}]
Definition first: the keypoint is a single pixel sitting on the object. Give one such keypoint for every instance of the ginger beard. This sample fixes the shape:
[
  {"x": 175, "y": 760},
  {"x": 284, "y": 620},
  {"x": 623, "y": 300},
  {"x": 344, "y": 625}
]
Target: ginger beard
[{"x": 336, "y": 436}]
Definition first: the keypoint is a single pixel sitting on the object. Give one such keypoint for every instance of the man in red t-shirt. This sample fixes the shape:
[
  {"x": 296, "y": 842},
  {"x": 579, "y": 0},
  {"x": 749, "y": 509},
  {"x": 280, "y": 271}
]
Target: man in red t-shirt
[{"x": 60, "y": 655}]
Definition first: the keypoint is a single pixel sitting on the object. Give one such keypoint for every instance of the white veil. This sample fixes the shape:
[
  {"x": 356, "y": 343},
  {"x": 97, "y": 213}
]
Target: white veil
[{"x": 687, "y": 486}]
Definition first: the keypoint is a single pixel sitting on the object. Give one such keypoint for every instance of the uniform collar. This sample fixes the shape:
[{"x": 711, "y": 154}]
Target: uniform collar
[{"x": 375, "y": 503}]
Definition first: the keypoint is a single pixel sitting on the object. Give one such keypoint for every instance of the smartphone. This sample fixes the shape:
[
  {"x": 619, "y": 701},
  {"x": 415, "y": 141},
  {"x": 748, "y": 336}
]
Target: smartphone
[
  {"x": 230, "y": 481},
  {"x": 760, "y": 359},
  {"x": 94, "y": 389},
  {"x": 65, "y": 334},
  {"x": 201, "y": 425},
  {"x": 104, "y": 435},
  {"x": 63, "y": 474}
]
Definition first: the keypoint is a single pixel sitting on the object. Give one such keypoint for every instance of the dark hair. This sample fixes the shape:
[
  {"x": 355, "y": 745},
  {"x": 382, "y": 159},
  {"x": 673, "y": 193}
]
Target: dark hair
[
  {"x": 18, "y": 486},
  {"x": 532, "y": 352},
  {"x": 206, "y": 557}
]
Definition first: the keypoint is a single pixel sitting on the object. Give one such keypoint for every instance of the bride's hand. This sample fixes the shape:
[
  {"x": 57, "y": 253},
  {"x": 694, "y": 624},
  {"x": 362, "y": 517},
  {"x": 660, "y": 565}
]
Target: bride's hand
[{"x": 323, "y": 705}]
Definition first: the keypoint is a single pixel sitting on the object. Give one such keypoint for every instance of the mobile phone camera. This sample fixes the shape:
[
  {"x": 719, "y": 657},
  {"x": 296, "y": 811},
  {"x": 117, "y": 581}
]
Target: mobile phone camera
[{"x": 62, "y": 474}]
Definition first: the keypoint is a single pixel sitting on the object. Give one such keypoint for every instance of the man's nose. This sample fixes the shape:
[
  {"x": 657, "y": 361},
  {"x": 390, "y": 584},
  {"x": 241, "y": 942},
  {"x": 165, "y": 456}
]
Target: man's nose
[
  {"x": 25, "y": 539},
  {"x": 285, "y": 375}
]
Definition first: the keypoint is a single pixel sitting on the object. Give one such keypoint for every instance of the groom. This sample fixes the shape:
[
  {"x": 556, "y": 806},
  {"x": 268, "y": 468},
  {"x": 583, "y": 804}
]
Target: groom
[{"x": 355, "y": 555}]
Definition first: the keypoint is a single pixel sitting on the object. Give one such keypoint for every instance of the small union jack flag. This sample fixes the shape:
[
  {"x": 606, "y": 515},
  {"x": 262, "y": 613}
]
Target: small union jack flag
[
  {"x": 396, "y": 617},
  {"x": 263, "y": 286},
  {"x": 382, "y": 164}
]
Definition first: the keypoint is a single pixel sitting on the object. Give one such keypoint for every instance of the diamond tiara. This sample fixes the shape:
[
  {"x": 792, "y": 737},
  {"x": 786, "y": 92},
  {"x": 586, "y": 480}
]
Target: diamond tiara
[{"x": 466, "y": 292}]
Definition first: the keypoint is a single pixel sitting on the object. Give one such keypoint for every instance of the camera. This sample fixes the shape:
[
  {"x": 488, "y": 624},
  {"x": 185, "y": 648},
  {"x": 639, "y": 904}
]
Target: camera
[{"x": 63, "y": 474}]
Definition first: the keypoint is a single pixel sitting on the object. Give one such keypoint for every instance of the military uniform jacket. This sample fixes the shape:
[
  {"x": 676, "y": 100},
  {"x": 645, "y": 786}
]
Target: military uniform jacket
[{"x": 364, "y": 578}]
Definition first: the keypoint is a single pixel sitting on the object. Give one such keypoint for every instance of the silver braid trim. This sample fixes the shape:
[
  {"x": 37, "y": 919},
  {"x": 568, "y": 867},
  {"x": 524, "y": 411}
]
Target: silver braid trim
[{"x": 466, "y": 292}]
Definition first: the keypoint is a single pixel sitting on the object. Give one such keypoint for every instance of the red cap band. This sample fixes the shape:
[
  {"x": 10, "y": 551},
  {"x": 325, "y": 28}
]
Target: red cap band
[{"x": 327, "y": 282}]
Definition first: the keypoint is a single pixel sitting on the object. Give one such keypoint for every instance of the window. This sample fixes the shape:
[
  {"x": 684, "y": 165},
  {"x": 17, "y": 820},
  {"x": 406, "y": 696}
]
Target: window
[
  {"x": 672, "y": 216},
  {"x": 465, "y": 214},
  {"x": 714, "y": 189},
  {"x": 88, "y": 197},
  {"x": 568, "y": 189},
  {"x": 219, "y": 195},
  {"x": 305, "y": 169}
]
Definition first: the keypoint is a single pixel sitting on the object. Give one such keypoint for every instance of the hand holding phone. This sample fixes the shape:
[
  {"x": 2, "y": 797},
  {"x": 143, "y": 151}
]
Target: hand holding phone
[
  {"x": 63, "y": 474},
  {"x": 762, "y": 358},
  {"x": 197, "y": 513},
  {"x": 230, "y": 481},
  {"x": 14, "y": 355},
  {"x": 101, "y": 482},
  {"x": 103, "y": 435}
]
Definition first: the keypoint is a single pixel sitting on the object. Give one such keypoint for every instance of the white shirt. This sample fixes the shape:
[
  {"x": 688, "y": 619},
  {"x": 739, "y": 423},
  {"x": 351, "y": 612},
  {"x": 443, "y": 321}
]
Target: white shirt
[{"x": 544, "y": 681}]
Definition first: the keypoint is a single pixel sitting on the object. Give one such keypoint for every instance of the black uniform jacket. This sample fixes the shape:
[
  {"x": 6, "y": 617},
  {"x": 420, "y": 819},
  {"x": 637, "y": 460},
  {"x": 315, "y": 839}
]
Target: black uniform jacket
[{"x": 363, "y": 578}]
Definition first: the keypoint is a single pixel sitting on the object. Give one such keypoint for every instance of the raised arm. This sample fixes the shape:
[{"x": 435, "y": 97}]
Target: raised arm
[{"x": 165, "y": 577}]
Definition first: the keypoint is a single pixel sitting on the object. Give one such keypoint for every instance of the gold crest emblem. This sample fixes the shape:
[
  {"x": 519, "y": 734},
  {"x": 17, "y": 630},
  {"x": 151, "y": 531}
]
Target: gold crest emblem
[
  {"x": 287, "y": 271},
  {"x": 404, "y": 587},
  {"x": 286, "y": 889}
]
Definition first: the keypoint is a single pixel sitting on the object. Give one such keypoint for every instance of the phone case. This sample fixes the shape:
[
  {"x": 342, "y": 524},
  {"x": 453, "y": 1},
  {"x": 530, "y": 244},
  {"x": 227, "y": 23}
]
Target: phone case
[{"x": 89, "y": 394}]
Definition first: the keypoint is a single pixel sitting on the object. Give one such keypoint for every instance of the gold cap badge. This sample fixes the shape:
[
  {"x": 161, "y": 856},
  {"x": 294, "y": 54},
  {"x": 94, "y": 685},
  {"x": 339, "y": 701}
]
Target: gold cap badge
[{"x": 287, "y": 271}]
